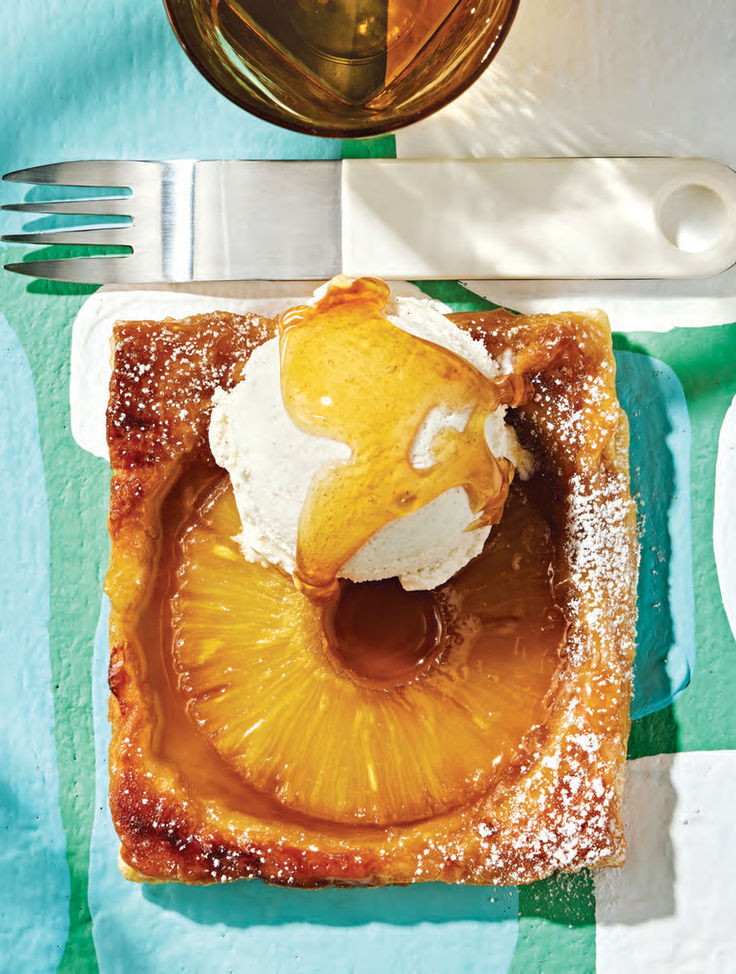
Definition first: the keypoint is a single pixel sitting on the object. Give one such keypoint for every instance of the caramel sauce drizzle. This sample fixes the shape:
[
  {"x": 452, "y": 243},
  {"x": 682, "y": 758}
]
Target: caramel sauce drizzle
[{"x": 349, "y": 374}]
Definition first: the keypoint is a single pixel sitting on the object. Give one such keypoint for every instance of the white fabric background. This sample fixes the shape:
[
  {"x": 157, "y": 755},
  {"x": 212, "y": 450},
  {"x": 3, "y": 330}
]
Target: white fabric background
[{"x": 593, "y": 77}]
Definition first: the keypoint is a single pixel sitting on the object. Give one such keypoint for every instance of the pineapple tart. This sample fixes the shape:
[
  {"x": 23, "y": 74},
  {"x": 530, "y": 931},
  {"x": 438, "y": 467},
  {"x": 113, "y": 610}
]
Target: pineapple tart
[{"x": 472, "y": 733}]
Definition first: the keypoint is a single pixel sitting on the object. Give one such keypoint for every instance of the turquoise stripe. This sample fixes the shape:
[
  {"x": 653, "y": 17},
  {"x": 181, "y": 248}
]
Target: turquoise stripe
[
  {"x": 654, "y": 401},
  {"x": 34, "y": 893}
]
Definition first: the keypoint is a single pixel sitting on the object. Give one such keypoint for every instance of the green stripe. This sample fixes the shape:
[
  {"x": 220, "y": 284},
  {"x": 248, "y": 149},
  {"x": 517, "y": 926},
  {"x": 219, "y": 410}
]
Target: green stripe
[
  {"x": 381, "y": 147},
  {"x": 655, "y": 734},
  {"x": 41, "y": 314},
  {"x": 556, "y": 926},
  {"x": 452, "y": 293}
]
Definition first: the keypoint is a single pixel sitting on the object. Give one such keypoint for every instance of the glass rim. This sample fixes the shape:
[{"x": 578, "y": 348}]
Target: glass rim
[{"x": 364, "y": 132}]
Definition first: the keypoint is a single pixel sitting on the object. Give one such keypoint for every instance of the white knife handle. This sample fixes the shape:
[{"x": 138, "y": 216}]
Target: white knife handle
[{"x": 537, "y": 218}]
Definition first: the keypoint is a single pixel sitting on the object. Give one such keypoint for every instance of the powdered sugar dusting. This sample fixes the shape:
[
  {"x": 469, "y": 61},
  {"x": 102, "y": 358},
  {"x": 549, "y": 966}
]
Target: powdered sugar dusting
[
  {"x": 558, "y": 805},
  {"x": 165, "y": 375}
]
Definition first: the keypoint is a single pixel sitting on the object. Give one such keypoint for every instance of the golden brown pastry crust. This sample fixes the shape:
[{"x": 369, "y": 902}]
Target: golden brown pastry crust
[{"x": 559, "y": 805}]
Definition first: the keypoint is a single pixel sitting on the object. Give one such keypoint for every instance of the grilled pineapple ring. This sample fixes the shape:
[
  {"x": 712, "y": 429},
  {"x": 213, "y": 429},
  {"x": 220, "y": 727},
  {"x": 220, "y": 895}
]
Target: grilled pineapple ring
[{"x": 260, "y": 680}]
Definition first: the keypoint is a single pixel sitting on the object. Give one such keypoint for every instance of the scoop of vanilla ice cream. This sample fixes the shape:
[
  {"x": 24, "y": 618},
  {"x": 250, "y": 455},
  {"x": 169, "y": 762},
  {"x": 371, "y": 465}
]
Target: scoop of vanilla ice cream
[{"x": 272, "y": 462}]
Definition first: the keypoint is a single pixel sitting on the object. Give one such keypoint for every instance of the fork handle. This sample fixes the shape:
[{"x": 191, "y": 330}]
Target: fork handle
[{"x": 538, "y": 218}]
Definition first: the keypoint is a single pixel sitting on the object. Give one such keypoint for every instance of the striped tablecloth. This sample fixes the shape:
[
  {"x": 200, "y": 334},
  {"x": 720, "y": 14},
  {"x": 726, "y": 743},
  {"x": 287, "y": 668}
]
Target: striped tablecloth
[{"x": 86, "y": 79}]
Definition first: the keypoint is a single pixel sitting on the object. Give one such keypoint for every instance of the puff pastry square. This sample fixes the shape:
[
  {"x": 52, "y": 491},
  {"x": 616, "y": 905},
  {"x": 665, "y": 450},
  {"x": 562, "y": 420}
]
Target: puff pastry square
[{"x": 182, "y": 814}]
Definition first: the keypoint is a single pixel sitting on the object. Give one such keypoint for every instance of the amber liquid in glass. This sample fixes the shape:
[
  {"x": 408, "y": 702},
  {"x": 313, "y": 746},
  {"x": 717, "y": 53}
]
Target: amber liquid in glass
[
  {"x": 353, "y": 48},
  {"x": 345, "y": 68}
]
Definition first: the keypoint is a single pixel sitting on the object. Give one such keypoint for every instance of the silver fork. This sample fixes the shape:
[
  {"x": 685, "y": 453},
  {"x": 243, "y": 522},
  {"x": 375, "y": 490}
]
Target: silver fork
[
  {"x": 242, "y": 226},
  {"x": 395, "y": 218}
]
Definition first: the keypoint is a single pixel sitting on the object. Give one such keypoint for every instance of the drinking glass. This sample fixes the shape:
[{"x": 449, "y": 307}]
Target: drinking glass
[{"x": 341, "y": 68}]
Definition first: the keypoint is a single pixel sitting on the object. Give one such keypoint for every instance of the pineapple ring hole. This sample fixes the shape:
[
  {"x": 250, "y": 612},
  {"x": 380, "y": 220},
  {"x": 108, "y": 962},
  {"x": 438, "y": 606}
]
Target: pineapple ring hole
[{"x": 383, "y": 634}]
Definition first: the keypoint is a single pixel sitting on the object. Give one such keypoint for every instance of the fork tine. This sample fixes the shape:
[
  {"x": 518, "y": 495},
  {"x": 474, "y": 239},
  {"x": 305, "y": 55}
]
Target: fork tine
[
  {"x": 103, "y": 172},
  {"x": 120, "y": 269},
  {"x": 83, "y": 236},
  {"x": 117, "y": 205}
]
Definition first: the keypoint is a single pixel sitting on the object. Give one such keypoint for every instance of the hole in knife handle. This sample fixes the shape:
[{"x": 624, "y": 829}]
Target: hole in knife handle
[{"x": 693, "y": 218}]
